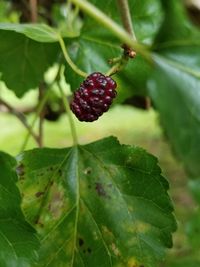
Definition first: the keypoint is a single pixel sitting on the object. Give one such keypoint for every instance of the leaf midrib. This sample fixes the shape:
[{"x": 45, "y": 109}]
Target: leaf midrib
[{"x": 131, "y": 217}]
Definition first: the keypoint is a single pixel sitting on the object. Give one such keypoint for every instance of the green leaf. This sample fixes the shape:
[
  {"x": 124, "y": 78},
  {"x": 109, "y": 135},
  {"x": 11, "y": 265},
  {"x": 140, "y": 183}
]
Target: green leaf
[
  {"x": 175, "y": 85},
  {"x": 26, "y": 52},
  {"x": 18, "y": 242},
  {"x": 37, "y": 32},
  {"x": 102, "y": 204},
  {"x": 92, "y": 50}
]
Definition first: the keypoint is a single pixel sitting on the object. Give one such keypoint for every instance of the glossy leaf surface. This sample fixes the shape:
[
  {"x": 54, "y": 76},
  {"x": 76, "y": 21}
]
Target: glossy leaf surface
[{"x": 102, "y": 204}]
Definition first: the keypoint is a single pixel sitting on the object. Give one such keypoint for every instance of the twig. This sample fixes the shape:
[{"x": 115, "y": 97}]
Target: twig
[
  {"x": 33, "y": 10},
  {"x": 126, "y": 17},
  {"x": 41, "y": 115},
  {"x": 22, "y": 118},
  {"x": 128, "y": 51}
]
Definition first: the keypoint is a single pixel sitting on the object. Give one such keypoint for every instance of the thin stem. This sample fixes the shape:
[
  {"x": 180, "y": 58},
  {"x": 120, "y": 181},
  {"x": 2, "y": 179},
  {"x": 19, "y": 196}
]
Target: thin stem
[
  {"x": 68, "y": 59},
  {"x": 38, "y": 111},
  {"x": 22, "y": 118},
  {"x": 126, "y": 17},
  {"x": 41, "y": 115},
  {"x": 125, "y": 37},
  {"x": 71, "y": 121},
  {"x": 116, "y": 68}
]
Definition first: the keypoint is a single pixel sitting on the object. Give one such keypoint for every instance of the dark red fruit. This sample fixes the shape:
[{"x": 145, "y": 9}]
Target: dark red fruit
[{"x": 94, "y": 97}]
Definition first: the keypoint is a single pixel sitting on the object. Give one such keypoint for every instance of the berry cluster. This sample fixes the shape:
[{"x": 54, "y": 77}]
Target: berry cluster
[{"x": 94, "y": 97}]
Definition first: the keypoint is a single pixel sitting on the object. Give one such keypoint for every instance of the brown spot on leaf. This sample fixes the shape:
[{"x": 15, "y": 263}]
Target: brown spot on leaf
[
  {"x": 80, "y": 242},
  {"x": 20, "y": 169},
  {"x": 56, "y": 205},
  {"x": 87, "y": 171},
  {"x": 39, "y": 223},
  {"x": 100, "y": 190},
  {"x": 38, "y": 194}
]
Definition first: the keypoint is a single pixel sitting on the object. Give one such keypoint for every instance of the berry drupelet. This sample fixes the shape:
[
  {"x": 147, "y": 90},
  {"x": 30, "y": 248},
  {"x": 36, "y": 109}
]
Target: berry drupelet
[{"x": 94, "y": 97}]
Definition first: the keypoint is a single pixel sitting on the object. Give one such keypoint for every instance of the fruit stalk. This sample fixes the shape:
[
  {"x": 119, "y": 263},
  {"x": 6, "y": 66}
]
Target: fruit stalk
[{"x": 68, "y": 59}]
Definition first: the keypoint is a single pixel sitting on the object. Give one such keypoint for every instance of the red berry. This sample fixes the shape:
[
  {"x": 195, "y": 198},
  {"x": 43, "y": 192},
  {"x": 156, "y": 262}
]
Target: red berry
[{"x": 94, "y": 97}]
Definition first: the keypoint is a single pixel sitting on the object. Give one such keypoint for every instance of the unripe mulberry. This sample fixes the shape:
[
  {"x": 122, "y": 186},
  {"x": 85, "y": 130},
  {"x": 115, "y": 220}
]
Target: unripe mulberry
[{"x": 94, "y": 97}]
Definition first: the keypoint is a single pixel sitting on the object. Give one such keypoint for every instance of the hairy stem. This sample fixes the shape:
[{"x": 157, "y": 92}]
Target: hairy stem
[
  {"x": 68, "y": 59},
  {"x": 67, "y": 108},
  {"x": 104, "y": 20},
  {"x": 126, "y": 17},
  {"x": 22, "y": 118}
]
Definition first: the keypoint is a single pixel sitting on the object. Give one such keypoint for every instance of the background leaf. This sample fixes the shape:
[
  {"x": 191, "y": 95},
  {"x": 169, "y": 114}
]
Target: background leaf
[
  {"x": 175, "y": 85},
  {"x": 26, "y": 52},
  {"x": 101, "y": 204},
  {"x": 18, "y": 242},
  {"x": 37, "y": 32}
]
